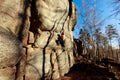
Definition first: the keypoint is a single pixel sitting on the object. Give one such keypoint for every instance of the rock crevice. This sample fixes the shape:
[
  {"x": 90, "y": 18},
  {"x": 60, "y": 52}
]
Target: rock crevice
[{"x": 36, "y": 26}]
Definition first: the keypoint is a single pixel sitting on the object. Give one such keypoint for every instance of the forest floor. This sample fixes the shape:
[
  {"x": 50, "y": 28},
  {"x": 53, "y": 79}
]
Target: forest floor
[{"x": 85, "y": 69}]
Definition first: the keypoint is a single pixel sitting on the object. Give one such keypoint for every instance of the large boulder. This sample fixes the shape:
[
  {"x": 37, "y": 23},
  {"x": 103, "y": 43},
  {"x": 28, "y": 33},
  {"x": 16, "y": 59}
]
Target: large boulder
[
  {"x": 47, "y": 59},
  {"x": 36, "y": 23}
]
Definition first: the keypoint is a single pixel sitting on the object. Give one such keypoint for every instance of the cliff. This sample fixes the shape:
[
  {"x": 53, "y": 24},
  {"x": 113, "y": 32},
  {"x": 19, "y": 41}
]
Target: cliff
[{"x": 29, "y": 30}]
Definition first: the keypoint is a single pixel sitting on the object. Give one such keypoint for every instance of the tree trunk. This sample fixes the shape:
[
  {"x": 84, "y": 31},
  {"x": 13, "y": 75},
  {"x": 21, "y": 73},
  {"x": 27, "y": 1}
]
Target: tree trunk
[{"x": 111, "y": 50}]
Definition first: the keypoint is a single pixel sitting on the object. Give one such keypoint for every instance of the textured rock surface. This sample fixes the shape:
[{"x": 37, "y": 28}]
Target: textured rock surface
[
  {"x": 10, "y": 14},
  {"x": 48, "y": 60},
  {"x": 7, "y": 73},
  {"x": 10, "y": 54},
  {"x": 37, "y": 24},
  {"x": 10, "y": 46},
  {"x": 10, "y": 49}
]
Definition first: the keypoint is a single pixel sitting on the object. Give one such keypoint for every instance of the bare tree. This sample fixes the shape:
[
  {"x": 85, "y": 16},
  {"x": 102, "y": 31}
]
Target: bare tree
[
  {"x": 111, "y": 33},
  {"x": 104, "y": 44},
  {"x": 91, "y": 24},
  {"x": 116, "y": 9},
  {"x": 85, "y": 37},
  {"x": 119, "y": 43}
]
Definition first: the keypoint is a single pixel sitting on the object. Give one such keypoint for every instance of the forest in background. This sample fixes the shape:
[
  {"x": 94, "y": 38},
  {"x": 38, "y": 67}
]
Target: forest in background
[{"x": 96, "y": 43}]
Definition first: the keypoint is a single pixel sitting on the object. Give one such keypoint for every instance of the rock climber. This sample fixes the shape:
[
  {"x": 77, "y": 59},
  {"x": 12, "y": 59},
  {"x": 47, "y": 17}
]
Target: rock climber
[{"x": 61, "y": 40}]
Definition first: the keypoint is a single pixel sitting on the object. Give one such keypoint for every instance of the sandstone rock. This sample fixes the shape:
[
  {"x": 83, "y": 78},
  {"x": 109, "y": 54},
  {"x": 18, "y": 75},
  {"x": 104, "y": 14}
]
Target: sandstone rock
[
  {"x": 73, "y": 18},
  {"x": 7, "y": 73},
  {"x": 31, "y": 38},
  {"x": 63, "y": 62},
  {"x": 42, "y": 39},
  {"x": 10, "y": 11},
  {"x": 47, "y": 58},
  {"x": 52, "y": 14},
  {"x": 37, "y": 27},
  {"x": 22, "y": 65},
  {"x": 70, "y": 58},
  {"x": 38, "y": 64},
  {"x": 10, "y": 54},
  {"x": 10, "y": 49},
  {"x": 55, "y": 67}
]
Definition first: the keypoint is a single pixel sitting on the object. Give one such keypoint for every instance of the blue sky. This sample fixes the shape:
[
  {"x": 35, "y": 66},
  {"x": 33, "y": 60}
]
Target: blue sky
[{"x": 105, "y": 8}]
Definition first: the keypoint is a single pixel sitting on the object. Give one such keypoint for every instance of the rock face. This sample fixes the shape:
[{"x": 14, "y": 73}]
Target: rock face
[
  {"x": 37, "y": 24},
  {"x": 10, "y": 54},
  {"x": 10, "y": 14},
  {"x": 10, "y": 49}
]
